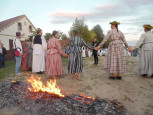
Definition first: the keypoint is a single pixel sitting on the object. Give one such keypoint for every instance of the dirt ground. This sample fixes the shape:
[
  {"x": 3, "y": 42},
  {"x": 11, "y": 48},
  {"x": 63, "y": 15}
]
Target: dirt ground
[{"x": 133, "y": 91}]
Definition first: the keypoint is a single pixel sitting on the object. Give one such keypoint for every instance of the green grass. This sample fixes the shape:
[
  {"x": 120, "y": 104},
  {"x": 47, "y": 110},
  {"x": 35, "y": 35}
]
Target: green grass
[
  {"x": 64, "y": 61},
  {"x": 7, "y": 70},
  {"x": 10, "y": 67}
]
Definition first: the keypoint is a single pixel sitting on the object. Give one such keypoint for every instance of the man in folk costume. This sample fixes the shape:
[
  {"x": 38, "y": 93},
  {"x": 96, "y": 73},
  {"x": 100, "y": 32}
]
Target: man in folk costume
[
  {"x": 75, "y": 61},
  {"x": 146, "y": 53},
  {"x": 39, "y": 49},
  {"x": 116, "y": 63}
]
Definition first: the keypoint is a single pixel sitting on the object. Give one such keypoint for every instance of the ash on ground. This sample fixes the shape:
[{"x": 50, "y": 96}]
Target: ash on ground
[{"x": 16, "y": 95}]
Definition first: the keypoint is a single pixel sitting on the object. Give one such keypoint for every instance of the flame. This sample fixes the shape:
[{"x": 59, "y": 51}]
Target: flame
[
  {"x": 81, "y": 94},
  {"x": 38, "y": 86},
  {"x": 13, "y": 81}
]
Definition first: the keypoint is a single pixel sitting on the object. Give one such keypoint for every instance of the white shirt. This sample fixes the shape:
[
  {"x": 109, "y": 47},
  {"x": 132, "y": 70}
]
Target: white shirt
[
  {"x": 145, "y": 38},
  {"x": 17, "y": 44}
]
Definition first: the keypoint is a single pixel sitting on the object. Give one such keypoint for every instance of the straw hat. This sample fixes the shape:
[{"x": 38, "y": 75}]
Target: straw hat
[
  {"x": 148, "y": 26},
  {"x": 114, "y": 23}
]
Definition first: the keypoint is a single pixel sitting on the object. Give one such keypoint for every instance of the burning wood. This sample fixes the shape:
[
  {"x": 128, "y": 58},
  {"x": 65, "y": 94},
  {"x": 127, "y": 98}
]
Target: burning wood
[
  {"x": 41, "y": 100},
  {"x": 38, "y": 86}
]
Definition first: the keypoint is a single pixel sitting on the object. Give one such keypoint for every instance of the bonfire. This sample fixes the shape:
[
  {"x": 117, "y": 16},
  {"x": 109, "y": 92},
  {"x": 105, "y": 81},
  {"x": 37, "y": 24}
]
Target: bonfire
[{"x": 34, "y": 97}]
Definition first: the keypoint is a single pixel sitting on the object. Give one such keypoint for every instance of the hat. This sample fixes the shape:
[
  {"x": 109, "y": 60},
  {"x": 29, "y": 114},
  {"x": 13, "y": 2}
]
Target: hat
[
  {"x": 114, "y": 23},
  {"x": 75, "y": 31},
  {"x": 148, "y": 26}
]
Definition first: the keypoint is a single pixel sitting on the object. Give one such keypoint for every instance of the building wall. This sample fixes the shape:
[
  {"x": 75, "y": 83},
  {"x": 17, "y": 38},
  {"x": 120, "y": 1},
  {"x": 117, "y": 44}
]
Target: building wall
[
  {"x": 5, "y": 41},
  {"x": 10, "y": 31}
]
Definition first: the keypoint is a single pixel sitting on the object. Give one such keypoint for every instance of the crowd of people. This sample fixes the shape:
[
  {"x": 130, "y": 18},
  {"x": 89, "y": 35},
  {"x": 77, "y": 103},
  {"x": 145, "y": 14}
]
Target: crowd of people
[{"x": 40, "y": 56}]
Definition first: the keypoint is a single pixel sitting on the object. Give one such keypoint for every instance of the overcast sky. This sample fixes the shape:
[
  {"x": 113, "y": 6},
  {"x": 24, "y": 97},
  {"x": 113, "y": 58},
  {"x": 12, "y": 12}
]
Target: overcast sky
[{"x": 60, "y": 14}]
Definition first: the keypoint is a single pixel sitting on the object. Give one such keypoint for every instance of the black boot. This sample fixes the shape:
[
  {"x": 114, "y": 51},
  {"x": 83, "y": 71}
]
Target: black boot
[
  {"x": 144, "y": 75},
  {"x": 119, "y": 77},
  {"x": 111, "y": 77}
]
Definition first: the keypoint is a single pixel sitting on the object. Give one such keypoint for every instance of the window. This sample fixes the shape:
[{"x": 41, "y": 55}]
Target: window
[
  {"x": 30, "y": 28},
  {"x": 19, "y": 26}
]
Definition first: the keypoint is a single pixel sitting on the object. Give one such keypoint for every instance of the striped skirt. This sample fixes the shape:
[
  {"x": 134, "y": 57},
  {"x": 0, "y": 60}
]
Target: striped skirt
[
  {"x": 54, "y": 64},
  {"x": 75, "y": 62},
  {"x": 146, "y": 60},
  {"x": 116, "y": 63}
]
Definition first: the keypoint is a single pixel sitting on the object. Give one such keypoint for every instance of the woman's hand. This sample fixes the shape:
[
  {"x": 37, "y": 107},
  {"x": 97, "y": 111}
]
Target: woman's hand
[
  {"x": 65, "y": 55},
  {"x": 131, "y": 49},
  {"x": 97, "y": 48}
]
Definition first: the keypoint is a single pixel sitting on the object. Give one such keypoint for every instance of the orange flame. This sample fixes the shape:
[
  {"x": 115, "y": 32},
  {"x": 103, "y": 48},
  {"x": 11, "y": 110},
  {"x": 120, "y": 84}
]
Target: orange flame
[
  {"x": 81, "y": 94},
  {"x": 13, "y": 81},
  {"x": 38, "y": 86}
]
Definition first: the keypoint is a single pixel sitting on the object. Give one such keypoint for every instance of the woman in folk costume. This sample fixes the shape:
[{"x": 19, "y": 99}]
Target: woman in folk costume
[
  {"x": 75, "y": 63},
  {"x": 29, "y": 54},
  {"x": 39, "y": 47},
  {"x": 116, "y": 63},
  {"x": 54, "y": 52},
  {"x": 24, "y": 56},
  {"x": 146, "y": 53}
]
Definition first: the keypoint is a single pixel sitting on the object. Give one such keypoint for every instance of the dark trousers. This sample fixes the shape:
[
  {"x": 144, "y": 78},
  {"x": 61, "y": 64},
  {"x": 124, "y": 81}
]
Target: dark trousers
[
  {"x": 95, "y": 57},
  {"x": 3, "y": 61},
  {"x": 1, "y": 58}
]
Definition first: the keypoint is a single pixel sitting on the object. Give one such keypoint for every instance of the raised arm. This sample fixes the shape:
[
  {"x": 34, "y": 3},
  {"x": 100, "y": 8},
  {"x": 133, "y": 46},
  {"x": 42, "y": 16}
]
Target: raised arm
[
  {"x": 141, "y": 40},
  {"x": 87, "y": 45},
  {"x": 58, "y": 46},
  {"x": 105, "y": 38}
]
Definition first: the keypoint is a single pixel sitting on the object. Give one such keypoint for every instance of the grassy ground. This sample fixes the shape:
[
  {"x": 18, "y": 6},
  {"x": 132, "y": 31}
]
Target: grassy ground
[
  {"x": 64, "y": 61},
  {"x": 10, "y": 68},
  {"x": 7, "y": 70}
]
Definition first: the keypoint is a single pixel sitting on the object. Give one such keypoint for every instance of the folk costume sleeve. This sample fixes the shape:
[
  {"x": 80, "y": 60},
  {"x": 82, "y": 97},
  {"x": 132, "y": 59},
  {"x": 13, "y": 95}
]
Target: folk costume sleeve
[
  {"x": 108, "y": 35},
  {"x": 141, "y": 40},
  {"x": 87, "y": 45}
]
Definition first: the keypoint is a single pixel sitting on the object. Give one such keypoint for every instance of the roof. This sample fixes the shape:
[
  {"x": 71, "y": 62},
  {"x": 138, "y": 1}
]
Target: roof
[
  {"x": 7, "y": 22},
  {"x": 64, "y": 42}
]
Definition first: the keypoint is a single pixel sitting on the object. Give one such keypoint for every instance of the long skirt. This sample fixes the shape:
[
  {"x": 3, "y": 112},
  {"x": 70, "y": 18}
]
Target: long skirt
[
  {"x": 29, "y": 60},
  {"x": 75, "y": 63},
  {"x": 146, "y": 61},
  {"x": 24, "y": 57},
  {"x": 116, "y": 63},
  {"x": 54, "y": 64},
  {"x": 38, "y": 63}
]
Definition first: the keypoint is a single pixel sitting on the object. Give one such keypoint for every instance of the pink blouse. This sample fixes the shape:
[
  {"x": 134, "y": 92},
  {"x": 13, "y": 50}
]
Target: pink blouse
[{"x": 53, "y": 46}]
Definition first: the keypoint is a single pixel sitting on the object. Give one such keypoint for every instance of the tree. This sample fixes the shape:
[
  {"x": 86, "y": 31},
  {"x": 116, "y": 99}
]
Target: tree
[
  {"x": 99, "y": 32},
  {"x": 100, "y": 35},
  {"x": 32, "y": 35},
  {"x": 48, "y": 36},
  {"x": 82, "y": 28},
  {"x": 62, "y": 36}
]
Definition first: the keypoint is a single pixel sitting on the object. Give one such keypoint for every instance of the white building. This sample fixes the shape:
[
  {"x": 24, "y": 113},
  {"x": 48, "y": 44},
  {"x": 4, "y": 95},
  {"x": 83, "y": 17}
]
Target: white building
[{"x": 8, "y": 29}]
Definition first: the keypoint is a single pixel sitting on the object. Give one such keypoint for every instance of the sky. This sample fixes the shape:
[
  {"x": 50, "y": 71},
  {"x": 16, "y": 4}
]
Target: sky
[{"x": 52, "y": 15}]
